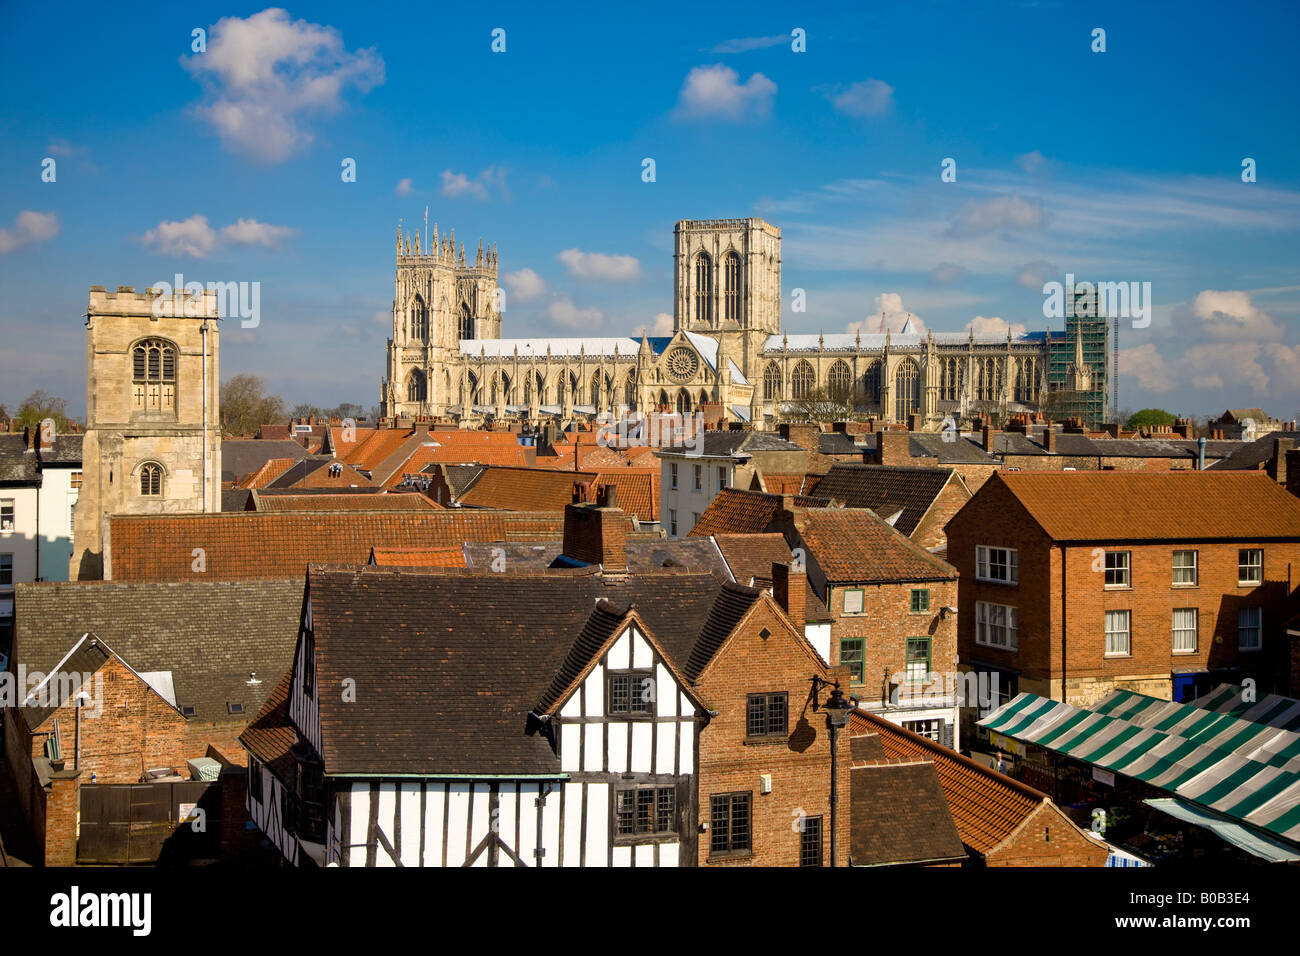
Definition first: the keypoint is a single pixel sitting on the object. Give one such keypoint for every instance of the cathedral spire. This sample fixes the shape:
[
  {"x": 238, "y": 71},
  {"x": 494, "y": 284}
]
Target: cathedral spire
[{"x": 478, "y": 261}]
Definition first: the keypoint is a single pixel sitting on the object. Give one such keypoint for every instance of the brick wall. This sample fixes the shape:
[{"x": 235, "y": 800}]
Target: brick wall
[
  {"x": 885, "y": 624},
  {"x": 929, "y": 532},
  {"x": 799, "y": 764},
  {"x": 1048, "y": 838},
  {"x": 1061, "y": 600}
]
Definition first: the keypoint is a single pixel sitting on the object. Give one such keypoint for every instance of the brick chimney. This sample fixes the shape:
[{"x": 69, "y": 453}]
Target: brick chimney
[
  {"x": 790, "y": 589},
  {"x": 1277, "y": 465},
  {"x": 989, "y": 437},
  {"x": 45, "y": 437},
  {"x": 803, "y": 434},
  {"x": 914, "y": 422},
  {"x": 894, "y": 447},
  {"x": 1049, "y": 439},
  {"x": 1293, "y": 471},
  {"x": 597, "y": 533}
]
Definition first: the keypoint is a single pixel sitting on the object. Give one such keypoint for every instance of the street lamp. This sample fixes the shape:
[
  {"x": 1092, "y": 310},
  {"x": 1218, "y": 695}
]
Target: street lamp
[{"x": 838, "y": 709}]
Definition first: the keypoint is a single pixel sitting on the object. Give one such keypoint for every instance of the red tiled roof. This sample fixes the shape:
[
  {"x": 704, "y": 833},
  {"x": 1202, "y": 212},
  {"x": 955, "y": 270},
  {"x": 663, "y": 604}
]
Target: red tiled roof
[
  {"x": 271, "y": 735},
  {"x": 249, "y": 544},
  {"x": 790, "y": 484},
  {"x": 376, "y": 447},
  {"x": 734, "y": 511},
  {"x": 854, "y": 545},
  {"x": 344, "y": 502},
  {"x": 637, "y": 490},
  {"x": 526, "y": 489},
  {"x": 450, "y": 557},
  {"x": 344, "y": 448},
  {"x": 348, "y": 477},
  {"x": 987, "y": 806},
  {"x": 1154, "y": 506},
  {"x": 482, "y": 448},
  {"x": 270, "y": 471}
]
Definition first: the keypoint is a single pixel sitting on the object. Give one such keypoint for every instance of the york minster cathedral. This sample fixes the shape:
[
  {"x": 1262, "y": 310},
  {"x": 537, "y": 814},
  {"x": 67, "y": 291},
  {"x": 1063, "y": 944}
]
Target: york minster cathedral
[{"x": 446, "y": 358}]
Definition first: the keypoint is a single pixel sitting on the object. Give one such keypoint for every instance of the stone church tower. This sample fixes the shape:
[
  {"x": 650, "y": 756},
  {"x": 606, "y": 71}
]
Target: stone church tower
[
  {"x": 727, "y": 284},
  {"x": 153, "y": 417}
]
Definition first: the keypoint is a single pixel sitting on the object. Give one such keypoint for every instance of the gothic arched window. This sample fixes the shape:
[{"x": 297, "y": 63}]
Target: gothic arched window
[
  {"x": 684, "y": 402},
  {"x": 907, "y": 390},
  {"x": 629, "y": 390},
  {"x": 772, "y": 382},
  {"x": 950, "y": 384},
  {"x": 838, "y": 379},
  {"x": 802, "y": 381},
  {"x": 704, "y": 289},
  {"x": 151, "y": 476},
  {"x": 731, "y": 286},
  {"x": 153, "y": 376},
  {"x": 466, "y": 326},
  {"x": 416, "y": 388},
  {"x": 990, "y": 380},
  {"x": 420, "y": 320},
  {"x": 871, "y": 382}
]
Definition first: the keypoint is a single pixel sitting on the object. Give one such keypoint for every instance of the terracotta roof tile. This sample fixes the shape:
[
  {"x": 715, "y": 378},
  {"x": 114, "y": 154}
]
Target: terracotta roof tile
[
  {"x": 734, "y": 511},
  {"x": 638, "y": 490},
  {"x": 449, "y": 557},
  {"x": 887, "y": 490},
  {"x": 344, "y": 502},
  {"x": 854, "y": 545},
  {"x": 526, "y": 489},
  {"x": 270, "y": 471}
]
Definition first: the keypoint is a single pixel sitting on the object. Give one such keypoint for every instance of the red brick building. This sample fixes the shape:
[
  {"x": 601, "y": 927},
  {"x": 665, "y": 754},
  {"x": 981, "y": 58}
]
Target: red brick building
[{"x": 1075, "y": 583}]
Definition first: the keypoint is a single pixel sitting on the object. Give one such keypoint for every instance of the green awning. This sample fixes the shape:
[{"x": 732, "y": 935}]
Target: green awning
[{"x": 1253, "y": 843}]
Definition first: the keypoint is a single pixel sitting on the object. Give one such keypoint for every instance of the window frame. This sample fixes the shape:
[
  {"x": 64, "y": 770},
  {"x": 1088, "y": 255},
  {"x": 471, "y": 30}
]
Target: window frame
[
  {"x": 844, "y": 602},
  {"x": 1010, "y": 625},
  {"x": 6, "y": 569},
  {"x": 1123, "y": 572},
  {"x": 733, "y": 847},
  {"x": 768, "y": 721},
  {"x": 699, "y": 478},
  {"x": 1195, "y": 568},
  {"x": 1127, "y": 632},
  {"x": 1242, "y": 559},
  {"x": 152, "y": 468},
  {"x": 722, "y": 477},
  {"x": 1258, "y": 628},
  {"x": 908, "y": 660},
  {"x": 858, "y": 668},
  {"x": 805, "y": 839},
  {"x": 12, "y": 505},
  {"x": 924, "y": 592},
  {"x": 632, "y": 675},
  {"x": 672, "y": 522},
  {"x": 655, "y": 833},
  {"x": 672, "y": 475},
  {"x": 1195, "y": 630},
  {"x": 984, "y": 565}
]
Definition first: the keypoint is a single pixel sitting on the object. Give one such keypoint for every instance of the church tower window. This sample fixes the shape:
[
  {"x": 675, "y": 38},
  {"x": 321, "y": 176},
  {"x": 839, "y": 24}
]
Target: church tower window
[
  {"x": 416, "y": 390},
  {"x": 153, "y": 376},
  {"x": 151, "y": 480},
  {"x": 731, "y": 286},
  {"x": 466, "y": 326},
  {"x": 704, "y": 289},
  {"x": 420, "y": 321}
]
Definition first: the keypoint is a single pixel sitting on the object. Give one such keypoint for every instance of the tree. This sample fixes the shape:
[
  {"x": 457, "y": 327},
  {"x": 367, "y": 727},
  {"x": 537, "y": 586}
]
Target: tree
[
  {"x": 245, "y": 405},
  {"x": 823, "y": 404},
  {"x": 1150, "y": 416},
  {"x": 40, "y": 405},
  {"x": 303, "y": 410}
]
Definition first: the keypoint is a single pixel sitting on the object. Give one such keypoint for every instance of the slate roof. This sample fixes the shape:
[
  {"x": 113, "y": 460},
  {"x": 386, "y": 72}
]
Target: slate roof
[
  {"x": 900, "y": 816},
  {"x": 17, "y": 464},
  {"x": 729, "y": 444},
  {"x": 449, "y": 664},
  {"x": 235, "y": 499},
  {"x": 242, "y": 456},
  {"x": 209, "y": 634},
  {"x": 88, "y": 655},
  {"x": 1154, "y": 505},
  {"x": 987, "y": 806},
  {"x": 643, "y": 555},
  {"x": 887, "y": 489},
  {"x": 734, "y": 511},
  {"x": 855, "y": 546},
  {"x": 282, "y": 544},
  {"x": 837, "y": 443},
  {"x": 962, "y": 450},
  {"x": 1253, "y": 455},
  {"x": 66, "y": 452}
]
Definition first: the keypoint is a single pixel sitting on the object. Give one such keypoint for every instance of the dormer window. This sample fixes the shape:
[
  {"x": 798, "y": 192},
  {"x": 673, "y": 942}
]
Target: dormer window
[{"x": 153, "y": 376}]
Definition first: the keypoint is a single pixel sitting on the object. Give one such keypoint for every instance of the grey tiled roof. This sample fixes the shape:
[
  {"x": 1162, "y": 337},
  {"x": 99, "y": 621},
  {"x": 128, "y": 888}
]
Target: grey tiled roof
[
  {"x": 209, "y": 634},
  {"x": 721, "y": 444},
  {"x": 243, "y": 456},
  {"x": 886, "y": 490},
  {"x": 16, "y": 462}
]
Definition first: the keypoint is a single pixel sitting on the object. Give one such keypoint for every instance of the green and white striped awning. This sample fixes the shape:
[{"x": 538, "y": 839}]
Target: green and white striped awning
[{"x": 1242, "y": 769}]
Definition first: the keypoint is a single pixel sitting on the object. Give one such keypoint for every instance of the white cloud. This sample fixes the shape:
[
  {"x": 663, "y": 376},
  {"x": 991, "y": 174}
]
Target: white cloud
[
  {"x": 947, "y": 272},
  {"x": 194, "y": 237},
  {"x": 865, "y": 98},
  {"x": 1231, "y": 315},
  {"x": 28, "y": 227},
  {"x": 1032, "y": 162},
  {"x": 1032, "y": 275},
  {"x": 404, "y": 187},
  {"x": 266, "y": 74},
  {"x": 895, "y": 316},
  {"x": 745, "y": 44},
  {"x": 524, "y": 285},
  {"x": 994, "y": 325},
  {"x": 716, "y": 91},
  {"x": 455, "y": 185},
  {"x": 1148, "y": 366},
  {"x": 563, "y": 312},
  {"x": 662, "y": 325},
  {"x": 599, "y": 265},
  {"x": 186, "y": 237},
  {"x": 250, "y": 232},
  {"x": 977, "y": 217}
]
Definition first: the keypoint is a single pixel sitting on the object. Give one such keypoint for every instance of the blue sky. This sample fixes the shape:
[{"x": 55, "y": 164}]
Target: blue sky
[{"x": 1123, "y": 165}]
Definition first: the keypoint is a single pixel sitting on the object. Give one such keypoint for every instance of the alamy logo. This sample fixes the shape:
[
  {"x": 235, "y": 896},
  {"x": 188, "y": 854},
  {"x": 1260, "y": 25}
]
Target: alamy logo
[
  {"x": 38, "y": 689},
  {"x": 74, "y": 909},
  {"x": 234, "y": 299},
  {"x": 654, "y": 431},
  {"x": 1108, "y": 300}
]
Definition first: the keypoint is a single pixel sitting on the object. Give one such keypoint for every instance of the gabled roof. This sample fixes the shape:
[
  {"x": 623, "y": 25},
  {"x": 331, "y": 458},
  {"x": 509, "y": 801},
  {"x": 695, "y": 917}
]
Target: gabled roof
[
  {"x": 281, "y": 544},
  {"x": 210, "y": 634},
  {"x": 271, "y": 469},
  {"x": 750, "y": 558},
  {"x": 731, "y": 444},
  {"x": 443, "y": 691},
  {"x": 647, "y": 554},
  {"x": 837, "y": 443},
  {"x": 888, "y": 489},
  {"x": 734, "y": 511},
  {"x": 526, "y": 489},
  {"x": 65, "y": 452},
  {"x": 854, "y": 546},
  {"x": 271, "y": 736},
  {"x": 405, "y": 501},
  {"x": 1153, "y": 505},
  {"x": 638, "y": 490},
  {"x": 900, "y": 817},
  {"x": 1250, "y": 456},
  {"x": 242, "y": 456}
]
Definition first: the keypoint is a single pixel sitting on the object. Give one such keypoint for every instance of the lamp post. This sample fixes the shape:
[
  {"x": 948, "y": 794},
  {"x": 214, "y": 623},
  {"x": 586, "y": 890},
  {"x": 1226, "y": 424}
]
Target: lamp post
[{"x": 838, "y": 709}]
